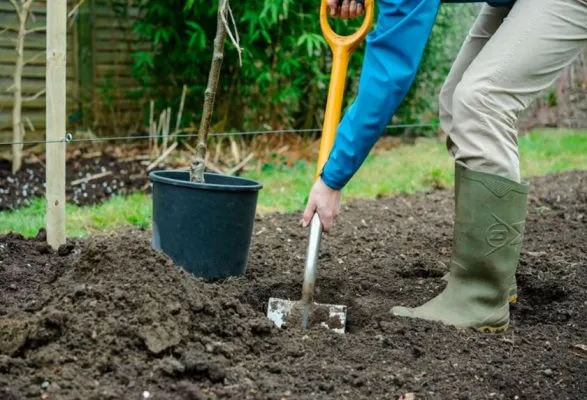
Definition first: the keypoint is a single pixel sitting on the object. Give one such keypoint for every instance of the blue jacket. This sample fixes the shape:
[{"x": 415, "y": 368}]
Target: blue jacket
[{"x": 393, "y": 53}]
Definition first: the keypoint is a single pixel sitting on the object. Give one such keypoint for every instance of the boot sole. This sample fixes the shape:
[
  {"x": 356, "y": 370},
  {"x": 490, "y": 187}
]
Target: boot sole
[{"x": 492, "y": 329}]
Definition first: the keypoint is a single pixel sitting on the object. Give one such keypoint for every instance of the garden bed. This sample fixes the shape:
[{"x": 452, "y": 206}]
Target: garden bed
[
  {"x": 108, "y": 318},
  {"x": 105, "y": 175}
]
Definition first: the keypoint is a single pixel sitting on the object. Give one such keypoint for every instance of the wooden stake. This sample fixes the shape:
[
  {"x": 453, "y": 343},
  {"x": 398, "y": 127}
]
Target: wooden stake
[
  {"x": 55, "y": 114},
  {"x": 180, "y": 112},
  {"x": 166, "y": 124},
  {"x": 152, "y": 127}
]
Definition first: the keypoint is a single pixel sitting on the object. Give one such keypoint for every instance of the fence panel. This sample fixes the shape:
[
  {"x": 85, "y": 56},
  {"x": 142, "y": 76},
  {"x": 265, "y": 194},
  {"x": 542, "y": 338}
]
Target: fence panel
[{"x": 100, "y": 44}]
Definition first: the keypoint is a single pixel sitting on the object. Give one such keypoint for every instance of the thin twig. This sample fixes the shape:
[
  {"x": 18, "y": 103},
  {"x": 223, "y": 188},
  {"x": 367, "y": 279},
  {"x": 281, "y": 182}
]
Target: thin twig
[
  {"x": 30, "y": 124},
  {"x": 162, "y": 156},
  {"x": 33, "y": 30},
  {"x": 33, "y": 58},
  {"x": 235, "y": 41},
  {"x": 141, "y": 157},
  {"x": 74, "y": 9},
  {"x": 91, "y": 178},
  {"x": 35, "y": 96},
  {"x": 240, "y": 165},
  {"x": 213, "y": 167}
]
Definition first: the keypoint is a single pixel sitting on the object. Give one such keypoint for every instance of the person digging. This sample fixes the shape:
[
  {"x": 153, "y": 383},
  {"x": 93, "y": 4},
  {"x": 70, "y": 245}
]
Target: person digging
[{"x": 513, "y": 51}]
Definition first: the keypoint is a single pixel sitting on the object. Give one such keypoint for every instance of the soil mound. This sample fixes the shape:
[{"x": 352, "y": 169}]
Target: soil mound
[{"x": 109, "y": 318}]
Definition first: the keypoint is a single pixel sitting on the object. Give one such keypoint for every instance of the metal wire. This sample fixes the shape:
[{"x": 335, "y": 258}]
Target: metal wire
[{"x": 70, "y": 139}]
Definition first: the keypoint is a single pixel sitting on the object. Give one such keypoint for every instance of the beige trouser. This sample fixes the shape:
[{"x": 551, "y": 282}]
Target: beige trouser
[{"x": 508, "y": 58}]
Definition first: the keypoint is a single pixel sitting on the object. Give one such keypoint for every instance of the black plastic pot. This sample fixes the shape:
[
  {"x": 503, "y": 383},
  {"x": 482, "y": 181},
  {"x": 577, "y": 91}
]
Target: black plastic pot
[{"x": 205, "y": 228}]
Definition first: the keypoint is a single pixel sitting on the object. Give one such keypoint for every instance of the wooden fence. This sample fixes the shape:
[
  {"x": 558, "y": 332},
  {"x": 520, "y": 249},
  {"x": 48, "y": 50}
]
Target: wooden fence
[
  {"x": 100, "y": 84},
  {"x": 100, "y": 43}
]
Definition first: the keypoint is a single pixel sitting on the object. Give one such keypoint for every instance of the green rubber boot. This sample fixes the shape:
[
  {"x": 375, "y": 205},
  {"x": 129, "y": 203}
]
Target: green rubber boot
[
  {"x": 488, "y": 233},
  {"x": 513, "y": 296},
  {"x": 513, "y": 293}
]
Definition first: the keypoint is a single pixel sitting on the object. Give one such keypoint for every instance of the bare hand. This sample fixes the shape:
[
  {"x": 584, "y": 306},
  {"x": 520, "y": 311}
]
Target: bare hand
[
  {"x": 325, "y": 202},
  {"x": 348, "y": 8}
]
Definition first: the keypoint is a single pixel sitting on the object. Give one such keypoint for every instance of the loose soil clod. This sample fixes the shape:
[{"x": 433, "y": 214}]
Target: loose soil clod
[
  {"x": 317, "y": 315},
  {"x": 109, "y": 318}
]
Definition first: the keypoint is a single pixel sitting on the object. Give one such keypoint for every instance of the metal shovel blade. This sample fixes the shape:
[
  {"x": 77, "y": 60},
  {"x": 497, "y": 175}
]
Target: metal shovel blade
[{"x": 278, "y": 311}]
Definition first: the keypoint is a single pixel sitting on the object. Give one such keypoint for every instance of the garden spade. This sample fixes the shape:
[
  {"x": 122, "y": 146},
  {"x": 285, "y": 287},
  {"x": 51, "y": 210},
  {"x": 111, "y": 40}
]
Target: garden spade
[{"x": 329, "y": 315}]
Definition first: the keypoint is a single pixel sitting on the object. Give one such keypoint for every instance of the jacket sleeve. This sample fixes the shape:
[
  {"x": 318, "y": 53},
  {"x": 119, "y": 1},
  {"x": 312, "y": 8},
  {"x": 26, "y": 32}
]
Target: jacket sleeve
[{"x": 393, "y": 53}]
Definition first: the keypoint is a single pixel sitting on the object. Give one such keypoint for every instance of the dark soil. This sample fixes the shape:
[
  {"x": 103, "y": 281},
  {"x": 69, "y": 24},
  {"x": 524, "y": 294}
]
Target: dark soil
[
  {"x": 317, "y": 315},
  {"x": 121, "y": 175},
  {"x": 108, "y": 318}
]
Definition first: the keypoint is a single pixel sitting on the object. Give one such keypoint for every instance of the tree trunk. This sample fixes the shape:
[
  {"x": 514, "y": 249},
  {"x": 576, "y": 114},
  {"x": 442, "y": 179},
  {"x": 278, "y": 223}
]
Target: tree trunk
[
  {"x": 17, "y": 125},
  {"x": 198, "y": 167}
]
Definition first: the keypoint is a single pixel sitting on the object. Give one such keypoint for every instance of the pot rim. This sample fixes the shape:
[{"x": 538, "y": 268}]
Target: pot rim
[{"x": 253, "y": 186}]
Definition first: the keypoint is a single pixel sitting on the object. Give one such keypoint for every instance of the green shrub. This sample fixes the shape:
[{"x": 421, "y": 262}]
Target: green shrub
[{"x": 285, "y": 70}]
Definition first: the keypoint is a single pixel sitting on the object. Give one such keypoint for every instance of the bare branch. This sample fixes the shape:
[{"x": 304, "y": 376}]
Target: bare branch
[
  {"x": 18, "y": 129},
  {"x": 33, "y": 58},
  {"x": 35, "y": 96},
  {"x": 240, "y": 165},
  {"x": 38, "y": 29},
  {"x": 30, "y": 124},
  {"x": 234, "y": 39},
  {"x": 91, "y": 178},
  {"x": 162, "y": 157},
  {"x": 15, "y": 5},
  {"x": 74, "y": 9}
]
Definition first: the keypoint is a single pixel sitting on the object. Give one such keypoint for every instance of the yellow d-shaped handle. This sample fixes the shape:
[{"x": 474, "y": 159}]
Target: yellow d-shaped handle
[
  {"x": 345, "y": 43},
  {"x": 342, "y": 47}
]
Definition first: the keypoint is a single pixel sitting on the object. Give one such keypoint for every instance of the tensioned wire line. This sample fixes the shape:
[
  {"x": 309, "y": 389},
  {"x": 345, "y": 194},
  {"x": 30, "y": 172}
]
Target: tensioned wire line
[{"x": 70, "y": 139}]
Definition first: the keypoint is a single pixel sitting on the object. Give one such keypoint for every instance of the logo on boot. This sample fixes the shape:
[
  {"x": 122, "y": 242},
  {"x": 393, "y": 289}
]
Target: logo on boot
[{"x": 502, "y": 234}]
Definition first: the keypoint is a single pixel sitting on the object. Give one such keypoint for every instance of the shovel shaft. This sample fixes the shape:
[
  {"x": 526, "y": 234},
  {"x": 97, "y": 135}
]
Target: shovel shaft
[
  {"x": 310, "y": 268},
  {"x": 312, "y": 259},
  {"x": 342, "y": 47},
  {"x": 340, "y": 61}
]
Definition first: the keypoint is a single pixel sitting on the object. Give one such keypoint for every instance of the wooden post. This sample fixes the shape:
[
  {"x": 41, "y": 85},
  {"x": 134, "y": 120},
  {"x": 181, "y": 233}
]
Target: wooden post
[{"x": 56, "y": 115}]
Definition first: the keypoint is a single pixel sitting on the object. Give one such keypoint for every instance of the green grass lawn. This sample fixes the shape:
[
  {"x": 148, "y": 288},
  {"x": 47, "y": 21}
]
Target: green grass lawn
[{"x": 405, "y": 169}]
